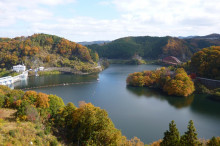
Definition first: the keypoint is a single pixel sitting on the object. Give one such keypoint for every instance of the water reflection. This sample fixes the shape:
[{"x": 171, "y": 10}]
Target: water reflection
[
  {"x": 18, "y": 84},
  {"x": 126, "y": 105},
  {"x": 198, "y": 104},
  {"x": 177, "y": 102},
  {"x": 204, "y": 105},
  {"x": 44, "y": 81}
]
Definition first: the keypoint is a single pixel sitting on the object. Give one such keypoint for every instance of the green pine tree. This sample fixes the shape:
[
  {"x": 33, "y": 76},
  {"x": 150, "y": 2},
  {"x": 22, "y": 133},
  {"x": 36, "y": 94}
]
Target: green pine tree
[
  {"x": 171, "y": 137},
  {"x": 190, "y": 137}
]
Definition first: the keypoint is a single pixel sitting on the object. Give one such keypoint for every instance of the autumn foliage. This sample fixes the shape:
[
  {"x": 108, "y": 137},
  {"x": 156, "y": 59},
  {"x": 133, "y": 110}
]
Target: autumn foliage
[
  {"x": 206, "y": 62},
  {"x": 46, "y": 50},
  {"x": 83, "y": 125},
  {"x": 174, "y": 83}
]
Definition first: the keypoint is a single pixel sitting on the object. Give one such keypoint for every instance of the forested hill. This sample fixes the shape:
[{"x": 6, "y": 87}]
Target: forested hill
[
  {"x": 153, "y": 47},
  {"x": 45, "y": 50}
]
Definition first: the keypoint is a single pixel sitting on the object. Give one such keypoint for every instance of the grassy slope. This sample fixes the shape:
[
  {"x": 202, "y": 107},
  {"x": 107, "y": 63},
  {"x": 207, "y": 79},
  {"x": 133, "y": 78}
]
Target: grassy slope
[{"x": 13, "y": 132}]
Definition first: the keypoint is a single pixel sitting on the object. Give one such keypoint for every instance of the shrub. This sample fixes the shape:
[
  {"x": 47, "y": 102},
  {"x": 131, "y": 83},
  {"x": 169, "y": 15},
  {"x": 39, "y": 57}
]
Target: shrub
[
  {"x": 47, "y": 130},
  {"x": 37, "y": 142},
  {"x": 2, "y": 98},
  {"x": 12, "y": 97},
  {"x": 55, "y": 104},
  {"x": 12, "y": 133},
  {"x": 215, "y": 141},
  {"x": 54, "y": 142},
  {"x": 41, "y": 134},
  {"x": 6, "y": 89},
  {"x": 22, "y": 109},
  {"x": 32, "y": 113}
]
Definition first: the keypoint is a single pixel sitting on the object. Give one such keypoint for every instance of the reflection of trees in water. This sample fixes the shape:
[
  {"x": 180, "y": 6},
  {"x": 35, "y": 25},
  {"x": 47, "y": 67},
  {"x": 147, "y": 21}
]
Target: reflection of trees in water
[
  {"x": 49, "y": 80},
  {"x": 204, "y": 105},
  {"x": 177, "y": 102},
  {"x": 198, "y": 103}
]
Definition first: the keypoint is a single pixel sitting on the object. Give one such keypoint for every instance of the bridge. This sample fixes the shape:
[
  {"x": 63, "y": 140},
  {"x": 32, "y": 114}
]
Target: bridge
[
  {"x": 171, "y": 60},
  {"x": 10, "y": 80}
]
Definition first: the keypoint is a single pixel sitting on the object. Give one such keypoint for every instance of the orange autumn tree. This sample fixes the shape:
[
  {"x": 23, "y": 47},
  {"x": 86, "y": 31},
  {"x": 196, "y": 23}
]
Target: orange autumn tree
[
  {"x": 177, "y": 83},
  {"x": 42, "y": 100},
  {"x": 30, "y": 96},
  {"x": 180, "y": 85}
]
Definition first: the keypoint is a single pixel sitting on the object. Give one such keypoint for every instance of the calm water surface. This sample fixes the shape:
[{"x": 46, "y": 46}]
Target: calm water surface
[{"x": 140, "y": 112}]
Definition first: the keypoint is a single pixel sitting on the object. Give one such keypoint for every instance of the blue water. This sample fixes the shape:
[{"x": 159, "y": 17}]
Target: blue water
[{"x": 140, "y": 112}]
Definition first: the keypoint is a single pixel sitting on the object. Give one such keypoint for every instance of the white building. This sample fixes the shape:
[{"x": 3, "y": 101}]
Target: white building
[{"x": 19, "y": 68}]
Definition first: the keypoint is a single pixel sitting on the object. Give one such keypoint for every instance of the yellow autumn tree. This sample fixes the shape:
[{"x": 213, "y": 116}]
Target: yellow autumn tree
[
  {"x": 206, "y": 62},
  {"x": 42, "y": 100},
  {"x": 180, "y": 85},
  {"x": 91, "y": 125}
]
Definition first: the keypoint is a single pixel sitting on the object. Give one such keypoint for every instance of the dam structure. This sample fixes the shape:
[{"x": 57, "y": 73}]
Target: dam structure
[{"x": 10, "y": 80}]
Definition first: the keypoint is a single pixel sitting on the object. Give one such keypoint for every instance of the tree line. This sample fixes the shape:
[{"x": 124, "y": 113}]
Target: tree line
[{"x": 189, "y": 138}]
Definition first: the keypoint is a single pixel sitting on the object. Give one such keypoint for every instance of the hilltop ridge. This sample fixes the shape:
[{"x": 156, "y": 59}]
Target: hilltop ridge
[
  {"x": 155, "y": 47},
  {"x": 46, "y": 50}
]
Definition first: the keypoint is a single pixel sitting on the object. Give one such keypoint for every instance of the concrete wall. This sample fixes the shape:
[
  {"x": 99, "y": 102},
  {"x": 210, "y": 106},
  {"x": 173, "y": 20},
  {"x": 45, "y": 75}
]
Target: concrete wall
[{"x": 212, "y": 84}]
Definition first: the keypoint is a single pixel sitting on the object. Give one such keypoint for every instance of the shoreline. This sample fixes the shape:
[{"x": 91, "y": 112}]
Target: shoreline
[{"x": 65, "y": 70}]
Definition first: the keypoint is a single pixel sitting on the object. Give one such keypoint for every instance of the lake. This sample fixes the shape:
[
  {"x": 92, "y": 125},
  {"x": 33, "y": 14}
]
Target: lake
[{"x": 141, "y": 112}]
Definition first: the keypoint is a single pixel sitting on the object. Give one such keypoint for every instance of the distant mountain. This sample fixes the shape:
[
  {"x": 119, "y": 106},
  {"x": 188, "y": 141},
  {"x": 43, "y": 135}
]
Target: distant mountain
[
  {"x": 155, "y": 47},
  {"x": 94, "y": 42},
  {"x": 187, "y": 37},
  {"x": 211, "y": 37}
]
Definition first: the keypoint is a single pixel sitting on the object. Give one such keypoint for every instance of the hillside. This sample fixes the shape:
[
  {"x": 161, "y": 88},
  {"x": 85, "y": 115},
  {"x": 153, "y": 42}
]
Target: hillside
[
  {"x": 154, "y": 47},
  {"x": 15, "y": 132},
  {"x": 46, "y": 50}
]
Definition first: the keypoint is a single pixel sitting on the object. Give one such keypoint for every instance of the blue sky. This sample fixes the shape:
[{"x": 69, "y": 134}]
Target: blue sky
[{"x": 89, "y": 20}]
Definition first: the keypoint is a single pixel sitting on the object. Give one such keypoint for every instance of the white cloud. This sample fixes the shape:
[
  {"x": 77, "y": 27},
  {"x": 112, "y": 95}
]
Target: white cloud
[
  {"x": 11, "y": 10},
  {"x": 136, "y": 17},
  {"x": 105, "y": 3},
  {"x": 170, "y": 15}
]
